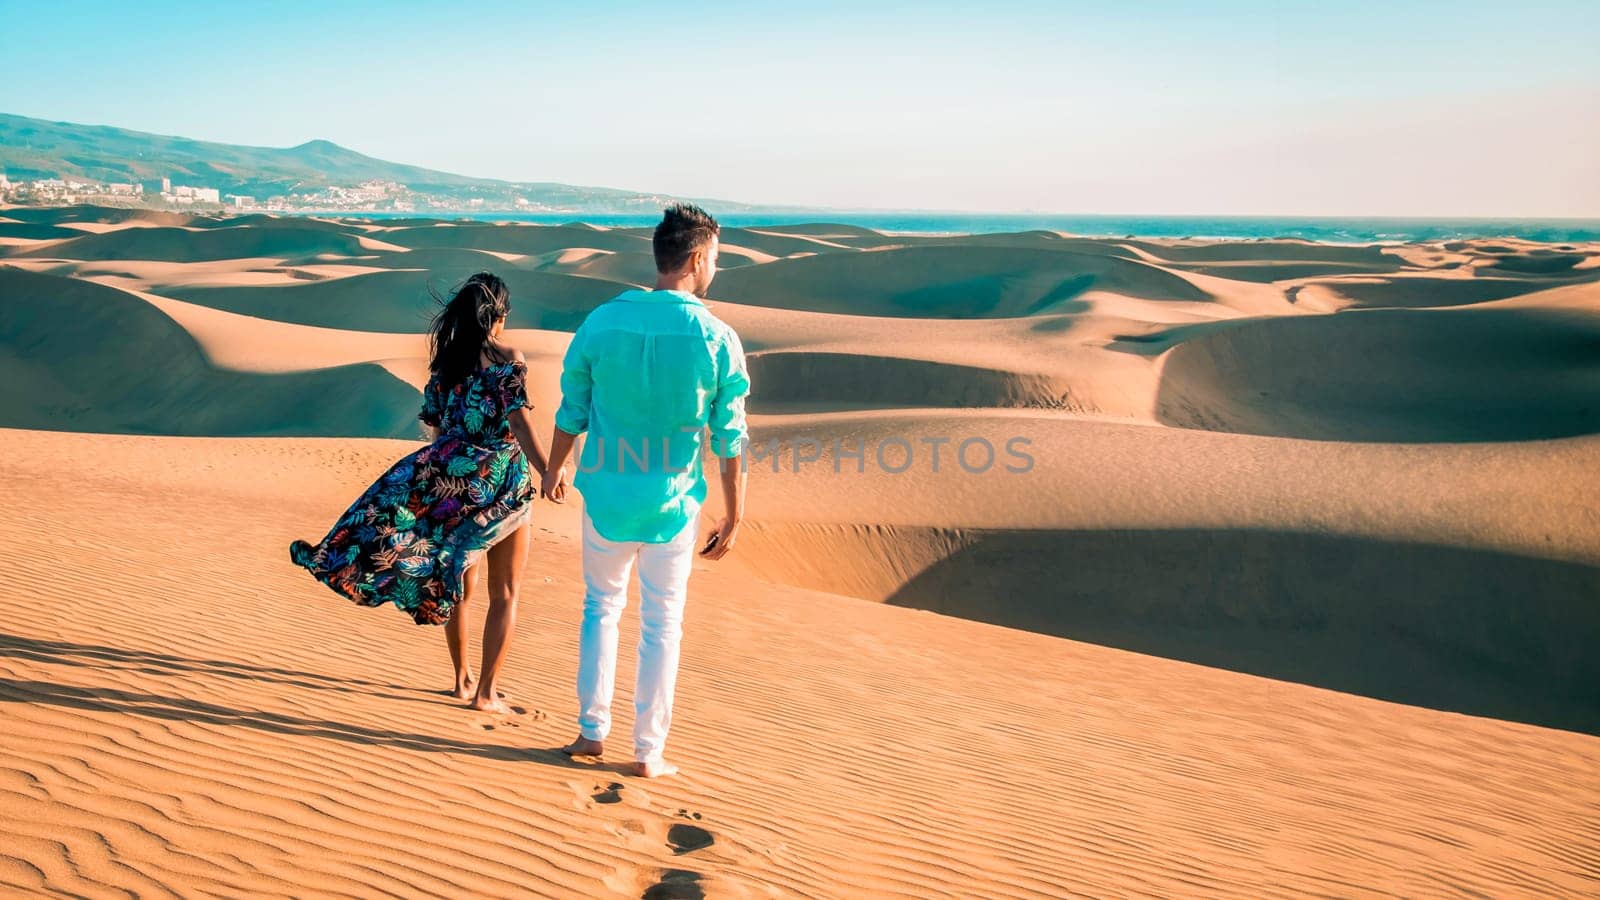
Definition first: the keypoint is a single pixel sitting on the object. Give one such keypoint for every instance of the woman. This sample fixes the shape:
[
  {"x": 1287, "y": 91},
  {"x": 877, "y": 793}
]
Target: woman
[{"x": 417, "y": 536}]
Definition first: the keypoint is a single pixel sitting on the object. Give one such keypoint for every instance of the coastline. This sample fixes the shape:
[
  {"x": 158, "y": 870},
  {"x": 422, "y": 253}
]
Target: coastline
[{"x": 1331, "y": 230}]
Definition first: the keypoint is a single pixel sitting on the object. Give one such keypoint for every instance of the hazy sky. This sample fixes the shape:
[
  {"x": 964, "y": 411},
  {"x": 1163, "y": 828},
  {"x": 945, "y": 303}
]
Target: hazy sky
[{"x": 1291, "y": 107}]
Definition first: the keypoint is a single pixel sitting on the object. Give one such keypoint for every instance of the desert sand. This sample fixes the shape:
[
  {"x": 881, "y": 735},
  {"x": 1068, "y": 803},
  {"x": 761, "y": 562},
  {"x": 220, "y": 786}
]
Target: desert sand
[{"x": 1299, "y": 595}]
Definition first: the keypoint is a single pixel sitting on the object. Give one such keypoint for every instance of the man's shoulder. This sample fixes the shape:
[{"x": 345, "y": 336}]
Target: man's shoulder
[
  {"x": 606, "y": 311},
  {"x": 615, "y": 304},
  {"x": 713, "y": 326},
  {"x": 674, "y": 318}
]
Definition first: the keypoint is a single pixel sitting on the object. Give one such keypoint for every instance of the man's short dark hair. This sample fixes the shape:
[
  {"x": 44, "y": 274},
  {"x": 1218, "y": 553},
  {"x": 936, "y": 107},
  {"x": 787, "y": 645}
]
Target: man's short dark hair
[{"x": 684, "y": 229}]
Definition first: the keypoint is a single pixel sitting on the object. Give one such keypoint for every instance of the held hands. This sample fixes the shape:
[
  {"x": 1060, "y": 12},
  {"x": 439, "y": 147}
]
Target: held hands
[
  {"x": 554, "y": 486},
  {"x": 720, "y": 542}
]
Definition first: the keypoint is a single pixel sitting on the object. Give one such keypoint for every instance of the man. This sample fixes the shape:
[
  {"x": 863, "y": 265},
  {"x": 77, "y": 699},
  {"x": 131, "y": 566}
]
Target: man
[{"x": 648, "y": 375}]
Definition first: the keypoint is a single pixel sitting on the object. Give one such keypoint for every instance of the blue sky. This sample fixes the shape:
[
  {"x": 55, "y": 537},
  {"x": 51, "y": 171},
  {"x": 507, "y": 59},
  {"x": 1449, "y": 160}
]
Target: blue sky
[{"x": 1292, "y": 108}]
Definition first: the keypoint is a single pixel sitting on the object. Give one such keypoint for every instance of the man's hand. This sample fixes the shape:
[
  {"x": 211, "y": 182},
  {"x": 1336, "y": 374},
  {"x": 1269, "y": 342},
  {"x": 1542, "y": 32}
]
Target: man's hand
[
  {"x": 554, "y": 485},
  {"x": 720, "y": 542}
]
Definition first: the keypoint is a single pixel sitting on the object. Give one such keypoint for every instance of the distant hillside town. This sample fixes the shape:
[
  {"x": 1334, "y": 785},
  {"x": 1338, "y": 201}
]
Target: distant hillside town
[
  {"x": 368, "y": 196},
  {"x": 59, "y": 163}
]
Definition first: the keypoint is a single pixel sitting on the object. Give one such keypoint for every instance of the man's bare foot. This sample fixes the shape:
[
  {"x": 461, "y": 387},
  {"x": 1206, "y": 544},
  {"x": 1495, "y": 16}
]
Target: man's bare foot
[
  {"x": 494, "y": 704},
  {"x": 658, "y": 769},
  {"x": 464, "y": 690},
  {"x": 584, "y": 747}
]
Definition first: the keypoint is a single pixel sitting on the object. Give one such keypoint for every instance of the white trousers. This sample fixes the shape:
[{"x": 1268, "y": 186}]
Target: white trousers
[{"x": 663, "y": 591}]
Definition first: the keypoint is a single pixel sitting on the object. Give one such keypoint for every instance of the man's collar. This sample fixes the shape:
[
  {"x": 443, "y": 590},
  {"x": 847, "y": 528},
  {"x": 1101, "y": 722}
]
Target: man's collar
[{"x": 653, "y": 296}]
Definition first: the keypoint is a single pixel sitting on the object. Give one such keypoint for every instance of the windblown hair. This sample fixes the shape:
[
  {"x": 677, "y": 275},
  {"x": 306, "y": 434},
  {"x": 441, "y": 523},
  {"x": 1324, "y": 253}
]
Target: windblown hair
[
  {"x": 684, "y": 229},
  {"x": 460, "y": 332}
]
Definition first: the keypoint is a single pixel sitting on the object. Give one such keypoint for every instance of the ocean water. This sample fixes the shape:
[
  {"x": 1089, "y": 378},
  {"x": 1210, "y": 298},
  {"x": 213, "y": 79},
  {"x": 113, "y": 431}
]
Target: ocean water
[{"x": 1331, "y": 230}]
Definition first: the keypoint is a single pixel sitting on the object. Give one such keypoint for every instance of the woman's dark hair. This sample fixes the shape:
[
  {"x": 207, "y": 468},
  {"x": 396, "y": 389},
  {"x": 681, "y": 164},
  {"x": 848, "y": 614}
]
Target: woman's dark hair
[{"x": 460, "y": 332}]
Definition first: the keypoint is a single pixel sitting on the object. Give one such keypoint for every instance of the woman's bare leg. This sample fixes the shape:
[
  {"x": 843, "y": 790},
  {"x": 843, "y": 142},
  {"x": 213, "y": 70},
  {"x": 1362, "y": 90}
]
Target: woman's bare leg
[
  {"x": 506, "y": 560},
  {"x": 455, "y": 634}
]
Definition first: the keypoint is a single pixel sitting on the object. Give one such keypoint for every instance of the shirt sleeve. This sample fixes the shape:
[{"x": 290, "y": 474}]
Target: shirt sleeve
[
  {"x": 432, "y": 405},
  {"x": 577, "y": 382},
  {"x": 727, "y": 424}
]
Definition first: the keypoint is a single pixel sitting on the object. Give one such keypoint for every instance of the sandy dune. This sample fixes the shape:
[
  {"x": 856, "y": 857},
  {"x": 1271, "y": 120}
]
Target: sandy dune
[
  {"x": 949, "y": 282},
  {"x": 1300, "y": 588},
  {"x": 510, "y": 238},
  {"x": 189, "y": 244},
  {"x": 235, "y": 731},
  {"x": 1463, "y": 373},
  {"x": 95, "y": 358}
]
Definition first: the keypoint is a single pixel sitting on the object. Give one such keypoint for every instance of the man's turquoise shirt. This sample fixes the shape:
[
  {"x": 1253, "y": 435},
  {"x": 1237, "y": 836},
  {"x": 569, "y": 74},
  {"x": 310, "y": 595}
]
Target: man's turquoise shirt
[{"x": 646, "y": 375}]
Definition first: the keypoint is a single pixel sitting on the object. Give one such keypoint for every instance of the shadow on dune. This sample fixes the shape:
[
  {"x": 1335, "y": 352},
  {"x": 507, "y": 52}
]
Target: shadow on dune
[
  {"x": 831, "y": 380},
  {"x": 447, "y": 265},
  {"x": 1392, "y": 375},
  {"x": 1268, "y": 272},
  {"x": 512, "y": 238},
  {"x": 783, "y": 243},
  {"x": 947, "y": 282},
  {"x": 1417, "y": 292},
  {"x": 1539, "y": 262},
  {"x": 399, "y": 301},
  {"x": 94, "y": 358},
  {"x": 185, "y": 709},
  {"x": 282, "y": 240},
  {"x": 115, "y": 700},
  {"x": 1473, "y": 631},
  {"x": 1280, "y": 249},
  {"x": 99, "y": 656},
  {"x": 103, "y": 215},
  {"x": 34, "y": 232},
  {"x": 265, "y": 220}
]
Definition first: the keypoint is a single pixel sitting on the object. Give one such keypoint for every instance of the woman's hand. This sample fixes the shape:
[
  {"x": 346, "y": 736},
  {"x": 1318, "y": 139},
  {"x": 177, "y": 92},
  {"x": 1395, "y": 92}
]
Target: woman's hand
[{"x": 554, "y": 485}]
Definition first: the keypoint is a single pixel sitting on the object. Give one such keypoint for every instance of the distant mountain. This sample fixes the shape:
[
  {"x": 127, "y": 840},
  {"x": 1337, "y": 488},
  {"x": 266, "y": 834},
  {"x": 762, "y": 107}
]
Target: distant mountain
[{"x": 32, "y": 149}]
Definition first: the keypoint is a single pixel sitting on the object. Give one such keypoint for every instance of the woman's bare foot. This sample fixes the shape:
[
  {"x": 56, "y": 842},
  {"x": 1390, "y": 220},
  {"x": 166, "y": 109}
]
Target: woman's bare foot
[
  {"x": 584, "y": 747},
  {"x": 464, "y": 689},
  {"x": 658, "y": 769},
  {"x": 494, "y": 703}
]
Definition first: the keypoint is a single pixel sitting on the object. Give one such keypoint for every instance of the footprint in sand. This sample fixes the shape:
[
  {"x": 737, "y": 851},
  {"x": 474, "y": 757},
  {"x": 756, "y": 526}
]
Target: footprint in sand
[
  {"x": 511, "y": 718},
  {"x": 685, "y": 838},
  {"x": 610, "y": 793},
  {"x": 676, "y": 884},
  {"x": 590, "y": 794}
]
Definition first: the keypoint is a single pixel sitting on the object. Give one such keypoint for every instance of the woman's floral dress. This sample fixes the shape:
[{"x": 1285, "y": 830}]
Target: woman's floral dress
[{"x": 410, "y": 538}]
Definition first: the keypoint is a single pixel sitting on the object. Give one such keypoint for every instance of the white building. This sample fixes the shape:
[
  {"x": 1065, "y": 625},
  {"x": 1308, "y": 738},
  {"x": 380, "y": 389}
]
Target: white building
[
  {"x": 240, "y": 201},
  {"x": 207, "y": 195}
]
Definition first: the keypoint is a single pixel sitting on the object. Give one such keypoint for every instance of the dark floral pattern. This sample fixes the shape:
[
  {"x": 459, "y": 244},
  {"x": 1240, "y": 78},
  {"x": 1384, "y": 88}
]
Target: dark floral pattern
[{"x": 410, "y": 537}]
